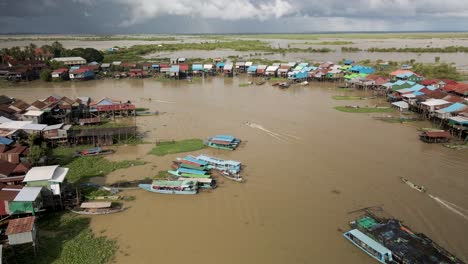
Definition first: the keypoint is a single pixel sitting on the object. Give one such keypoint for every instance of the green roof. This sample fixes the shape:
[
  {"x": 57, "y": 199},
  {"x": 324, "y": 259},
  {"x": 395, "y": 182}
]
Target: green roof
[
  {"x": 366, "y": 222},
  {"x": 173, "y": 183}
]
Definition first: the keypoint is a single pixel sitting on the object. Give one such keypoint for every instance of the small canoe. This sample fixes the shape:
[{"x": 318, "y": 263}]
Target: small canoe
[{"x": 412, "y": 185}]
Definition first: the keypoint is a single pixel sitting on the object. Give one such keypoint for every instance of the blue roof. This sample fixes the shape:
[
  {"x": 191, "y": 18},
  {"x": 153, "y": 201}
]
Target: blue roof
[
  {"x": 175, "y": 68},
  {"x": 224, "y": 138},
  {"x": 220, "y": 64},
  {"x": 252, "y": 68},
  {"x": 370, "y": 242},
  {"x": 155, "y": 65},
  {"x": 418, "y": 93},
  {"x": 348, "y": 62},
  {"x": 362, "y": 69},
  {"x": 432, "y": 88},
  {"x": 405, "y": 75},
  {"x": 192, "y": 159},
  {"x": 415, "y": 88},
  {"x": 184, "y": 170},
  {"x": 5, "y": 141},
  {"x": 197, "y": 67},
  {"x": 453, "y": 108},
  {"x": 304, "y": 64}
]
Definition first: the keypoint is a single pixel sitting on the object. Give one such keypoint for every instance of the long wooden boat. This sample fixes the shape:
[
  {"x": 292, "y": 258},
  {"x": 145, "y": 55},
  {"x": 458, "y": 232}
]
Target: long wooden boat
[
  {"x": 205, "y": 183},
  {"x": 94, "y": 152},
  {"x": 187, "y": 186},
  {"x": 230, "y": 176},
  {"x": 440, "y": 136},
  {"x": 387, "y": 240},
  {"x": 412, "y": 185},
  {"x": 98, "y": 208},
  {"x": 231, "y": 166}
]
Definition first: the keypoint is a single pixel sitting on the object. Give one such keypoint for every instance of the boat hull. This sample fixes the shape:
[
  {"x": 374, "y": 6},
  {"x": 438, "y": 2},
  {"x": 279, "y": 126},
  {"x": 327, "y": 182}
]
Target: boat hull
[{"x": 147, "y": 187}]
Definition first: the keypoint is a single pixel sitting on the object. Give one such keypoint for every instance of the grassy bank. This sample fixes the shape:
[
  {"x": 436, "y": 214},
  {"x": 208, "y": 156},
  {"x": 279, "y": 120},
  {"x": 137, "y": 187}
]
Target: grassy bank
[
  {"x": 65, "y": 239},
  {"x": 346, "y": 97},
  {"x": 364, "y": 109},
  {"x": 82, "y": 168},
  {"x": 332, "y": 43},
  {"x": 171, "y": 147},
  {"x": 108, "y": 124}
]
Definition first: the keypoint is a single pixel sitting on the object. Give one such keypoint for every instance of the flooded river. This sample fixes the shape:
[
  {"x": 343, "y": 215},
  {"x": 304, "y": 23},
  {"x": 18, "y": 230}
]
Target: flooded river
[{"x": 300, "y": 185}]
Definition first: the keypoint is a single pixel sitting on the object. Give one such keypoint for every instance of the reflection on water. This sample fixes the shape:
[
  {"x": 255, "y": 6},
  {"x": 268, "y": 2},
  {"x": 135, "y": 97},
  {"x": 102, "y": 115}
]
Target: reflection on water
[{"x": 299, "y": 190}]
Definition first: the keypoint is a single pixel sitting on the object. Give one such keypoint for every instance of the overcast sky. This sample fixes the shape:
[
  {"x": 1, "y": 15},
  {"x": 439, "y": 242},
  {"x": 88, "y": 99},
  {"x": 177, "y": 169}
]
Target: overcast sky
[{"x": 230, "y": 16}]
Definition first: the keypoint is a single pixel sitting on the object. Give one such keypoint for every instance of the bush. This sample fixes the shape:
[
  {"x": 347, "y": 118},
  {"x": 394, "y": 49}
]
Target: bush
[{"x": 46, "y": 75}]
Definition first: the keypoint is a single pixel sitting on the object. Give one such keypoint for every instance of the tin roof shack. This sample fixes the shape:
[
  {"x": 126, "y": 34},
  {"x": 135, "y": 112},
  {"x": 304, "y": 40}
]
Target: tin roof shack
[
  {"x": 71, "y": 61},
  {"x": 361, "y": 69},
  {"x": 283, "y": 70},
  {"x": 60, "y": 74},
  {"x": 28, "y": 201},
  {"x": 7, "y": 195},
  {"x": 50, "y": 177},
  {"x": 14, "y": 154},
  {"x": 227, "y": 70},
  {"x": 261, "y": 70},
  {"x": 410, "y": 76},
  {"x": 435, "y": 136},
  {"x": 240, "y": 66},
  {"x": 402, "y": 106},
  {"x": 432, "y": 105},
  {"x": 220, "y": 66},
  {"x": 209, "y": 69},
  {"x": 19, "y": 106},
  {"x": 81, "y": 74},
  {"x": 57, "y": 133},
  {"x": 6, "y": 168},
  {"x": 271, "y": 71},
  {"x": 174, "y": 71},
  {"x": 450, "y": 110},
  {"x": 183, "y": 70},
  {"x": 252, "y": 70},
  {"x": 35, "y": 116},
  {"x": 22, "y": 231},
  {"x": 136, "y": 73}
]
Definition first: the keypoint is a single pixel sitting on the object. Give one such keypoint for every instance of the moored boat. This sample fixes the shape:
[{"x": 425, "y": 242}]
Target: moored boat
[
  {"x": 389, "y": 241},
  {"x": 94, "y": 152},
  {"x": 284, "y": 85},
  {"x": 187, "y": 186},
  {"x": 205, "y": 183},
  {"x": 226, "y": 142},
  {"x": 98, "y": 208},
  {"x": 439, "y": 136}
]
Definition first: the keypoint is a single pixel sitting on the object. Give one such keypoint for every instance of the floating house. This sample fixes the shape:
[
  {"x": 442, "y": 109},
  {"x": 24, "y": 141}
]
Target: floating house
[
  {"x": 174, "y": 71},
  {"x": 284, "y": 70},
  {"x": 240, "y": 66},
  {"x": 435, "y": 136},
  {"x": 81, "y": 74},
  {"x": 227, "y": 70},
  {"x": 197, "y": 69},
  {"x": 136, "y": 73},
  {"x": 50, "y": 177},
  {"x": 220, "y": 66},
  {"x": 261, "y": 69},
  {"x": 60, "y": 74},
  {"x": 271, "y": 71},
  {"x": 252, "y": 70}
]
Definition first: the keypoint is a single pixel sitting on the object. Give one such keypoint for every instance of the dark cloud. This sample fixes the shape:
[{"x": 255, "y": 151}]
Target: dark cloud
[{"x": 228, "y": 16}]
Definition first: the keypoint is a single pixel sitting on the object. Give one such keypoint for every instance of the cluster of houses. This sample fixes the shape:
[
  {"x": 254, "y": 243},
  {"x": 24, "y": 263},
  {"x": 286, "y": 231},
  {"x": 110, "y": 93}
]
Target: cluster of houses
[{"x": 54, "y": 116}]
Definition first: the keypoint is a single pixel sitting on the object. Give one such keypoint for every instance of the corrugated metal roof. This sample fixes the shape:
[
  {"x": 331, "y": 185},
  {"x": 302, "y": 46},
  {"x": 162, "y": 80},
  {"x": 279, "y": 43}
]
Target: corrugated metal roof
[
  {"x": 370, "y": 242},
  {"x": 46, "y": 173},
  {"x": 435, "y": 102},
  {"x": 52, "y": 127},
  {"x": 248, "y": 64},
  {"x": 456, "y": 107},
  {"x": 20, "y": 225},
  {"x": 35, "y": 127},
  {"x": 401, "y": 104},
  {"x": 28, "y": 194},
  {"x": 14, "y": 124}
]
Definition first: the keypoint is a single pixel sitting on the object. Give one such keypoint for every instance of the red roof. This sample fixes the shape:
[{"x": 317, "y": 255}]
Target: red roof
[
  {"x": 81, "y": 70},
  {"x": 430, "y": 82},
  {"x": 22, "y": 168},
  {"x": 90, "y": 67},
  {"x": 136, "y": 70},
  {"x": 453, "y": 98},
  {"x": 398, "y": 72},
  {"x": 183, "y": 67},
  {"x": 448, "y": 81},
  {"x": 436, "y": 134},
  {"x": 20, "y": 225},
  {"x": 6, "y": 168},
  {"x": 8, "y": 195},
  {"x": 60, "y": 70},
  {"x": 437, "y": 94},
  {"x": 18, "y": 149}
]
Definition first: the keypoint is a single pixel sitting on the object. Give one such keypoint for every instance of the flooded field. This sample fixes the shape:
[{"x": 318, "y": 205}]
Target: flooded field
[
  {"x": 459, "y": 59},
  {"x": 300, "y": 185}
]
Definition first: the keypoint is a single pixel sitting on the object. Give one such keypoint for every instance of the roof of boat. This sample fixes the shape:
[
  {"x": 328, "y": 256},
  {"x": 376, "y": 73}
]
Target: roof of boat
[
  {"x": 224, "y": 138},
  {"x": 192, "y": 159},
  {"x": 219, "y": 161},
  {"x": 202, "y": 180},
  {"x": 174, "y": 183},
  {"x": 185, "y": 170},
  {"x": 369, "y": 241},
  {"x": 96, "y": 205}
]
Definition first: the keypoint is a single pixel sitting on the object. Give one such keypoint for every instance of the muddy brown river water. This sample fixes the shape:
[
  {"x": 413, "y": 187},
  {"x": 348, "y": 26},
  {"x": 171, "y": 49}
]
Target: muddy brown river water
[{"x": 300, "y": 185}]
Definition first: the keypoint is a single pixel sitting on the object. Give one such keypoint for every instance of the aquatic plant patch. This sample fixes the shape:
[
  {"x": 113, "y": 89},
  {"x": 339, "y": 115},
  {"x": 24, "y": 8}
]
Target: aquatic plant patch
[
  {"x": 171, "y": 147},
  {"x": 364, "y": 109},
  {"x": 347, "y": 97}
]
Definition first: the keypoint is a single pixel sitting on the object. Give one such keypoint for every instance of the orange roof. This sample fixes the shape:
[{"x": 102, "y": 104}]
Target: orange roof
[
  {"x": 20, "y": 225},
  {"x": 398, "y": 72}
]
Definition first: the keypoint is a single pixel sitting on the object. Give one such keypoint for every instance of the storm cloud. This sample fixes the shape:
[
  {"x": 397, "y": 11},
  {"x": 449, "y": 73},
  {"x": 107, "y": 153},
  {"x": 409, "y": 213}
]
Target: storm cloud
[{"x": 229, "y": 16}]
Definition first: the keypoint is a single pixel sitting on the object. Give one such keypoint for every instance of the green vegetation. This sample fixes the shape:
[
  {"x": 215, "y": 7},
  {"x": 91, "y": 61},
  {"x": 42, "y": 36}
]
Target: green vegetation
[
  {"x": 244, "y": 84},
  {"x": 346, "y": 97},
  {"x": 437, "y": 71},
  {"x": 171, "y": 147},
  {"x": 350, "y": 49},
  {"x": 94, "y": 192},
  {"x": 37, "y": 148},
  {"x": 333, "y": 43},
  {"x": 136, "y": 52},
  {"x": 46, "y": 75},
  {"x": 87, "y": 167},
  {"x": 450, "y": 49},
  {"x": 364, "y": 109},
  {"x": 91, "y": 38},
  {"x": 141, "y": 109},
  {"x": 278, "y": 79},
  {"x": 162, "y": 175},
  {"x": 425, "y": 35},
  {"x": 4, "y": 83},
  {"x": 65, "y": 239}
]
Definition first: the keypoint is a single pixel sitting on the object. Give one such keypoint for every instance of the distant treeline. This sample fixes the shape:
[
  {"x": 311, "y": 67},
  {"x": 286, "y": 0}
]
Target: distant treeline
[
  {"x": 90, "y": 38},
  {"x": 450, "y": 49}
]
